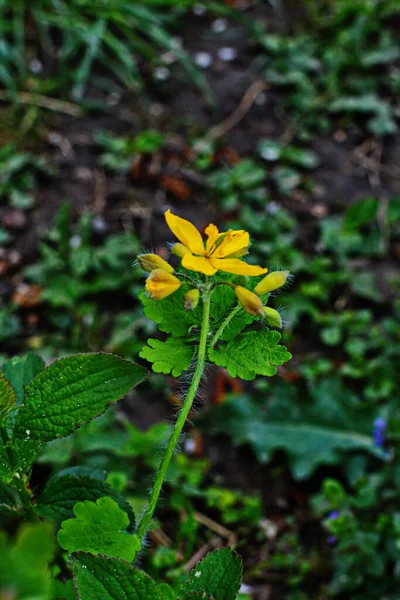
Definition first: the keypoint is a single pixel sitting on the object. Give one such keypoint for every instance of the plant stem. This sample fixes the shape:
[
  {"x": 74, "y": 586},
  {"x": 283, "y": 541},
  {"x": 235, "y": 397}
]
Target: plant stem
[
  {"x": 224, "y": 324},
  {"x": 180, "y": 422}
]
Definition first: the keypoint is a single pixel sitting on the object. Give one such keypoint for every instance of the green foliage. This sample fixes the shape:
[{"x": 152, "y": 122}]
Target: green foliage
[
  {"x": 99, "y": 528},
  {"x": 172, "y": 356},
  {"x": 102, "y": 578},
  {"x": 345, "y": 63},
  {"x": 251, "y": 354},
  {"x": 219, "y": 573},
  {"x": 55, "y": 409},
  {"x": 24, "y": 564},
  {"x": 120, "y": 152},
  {"x": 102, "y": 46},
  {"x": 68, "y": 487},
  {"x": 312, "y": 432},
  {"x": 19, "y": 172},
  {"x": 7, "y": 397}
]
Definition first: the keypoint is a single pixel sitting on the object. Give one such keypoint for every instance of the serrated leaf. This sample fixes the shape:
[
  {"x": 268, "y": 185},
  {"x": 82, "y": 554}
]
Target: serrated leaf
[
  {"x": 101, "y": 578},
  {"x": 99, "y": 528},
  {"x": 64, "y": 491},
  {"x": 250, "y": 354},
  {"x": 7, "y": 397},
  {"x": 218, "y": 574},
  {"x": 170, "y": 315},
  {"x": 195, "y": 596},
  {"x": 71, "y": 392},
  {"x": 172, "y": 356},
  {"x": 313, "y": 430},
  {"x": 5, "y": 469},
  {"x": 20, "y": 370}
]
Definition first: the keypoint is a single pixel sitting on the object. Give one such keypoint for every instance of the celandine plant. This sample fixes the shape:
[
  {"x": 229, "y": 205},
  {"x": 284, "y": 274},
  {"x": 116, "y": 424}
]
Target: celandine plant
[{"x": 212, "y": 307}]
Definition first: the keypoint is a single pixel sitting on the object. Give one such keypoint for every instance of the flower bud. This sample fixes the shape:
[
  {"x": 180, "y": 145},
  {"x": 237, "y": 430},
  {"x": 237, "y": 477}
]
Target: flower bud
[
  {"x": 271, "y": 282},
  {"x": 161, "y": 284},
  {"x": 149, "y": 262},
  {"x": 273, "y": 317},
  {"x": 179, "y": 250},
  {"x": 250, "y": 302},
  {"x": 191, "y": 299}
]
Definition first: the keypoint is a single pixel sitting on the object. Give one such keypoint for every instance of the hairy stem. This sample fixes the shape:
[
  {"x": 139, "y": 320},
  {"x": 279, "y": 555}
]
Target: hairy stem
[
  {"x": 180, "y": 422},
  {"x": 224, "y": 324}
]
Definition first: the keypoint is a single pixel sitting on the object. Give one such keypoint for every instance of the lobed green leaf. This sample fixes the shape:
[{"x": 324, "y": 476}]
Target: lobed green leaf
[
  {"x": 172, "y": 356},
  {"x": 250, "y": 354}
]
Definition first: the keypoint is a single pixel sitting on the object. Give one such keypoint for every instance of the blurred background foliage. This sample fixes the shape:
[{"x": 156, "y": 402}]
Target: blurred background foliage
[{"x": 277, "y": 117}]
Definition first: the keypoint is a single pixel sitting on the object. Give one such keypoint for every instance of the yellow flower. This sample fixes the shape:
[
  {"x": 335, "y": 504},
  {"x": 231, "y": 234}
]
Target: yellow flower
[
  {"x": 271, "y": 282},
  {"x": 250, "y": 302},
  {"x": 273, "y": 317},
  {"x": 221, "y": 252},
  {"x": 191, "y": 299},
  {"x": 150, "y": 262},
  {"x": 161, "y": 284}
]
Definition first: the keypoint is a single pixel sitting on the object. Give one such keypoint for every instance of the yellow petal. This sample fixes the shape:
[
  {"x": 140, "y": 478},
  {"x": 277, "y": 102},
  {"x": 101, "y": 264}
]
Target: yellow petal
[
  {"x": 149, "y": 262},
  {"x": 250, "y": 302},
  {"x": 186, "y": 233},
  {"x": 179, "y": 250},
  {"x": 198, "y": 263},
  {"x": 191, "y": 299},
  {"x": 273, "y": 317},
  {"x": 271, "y": 282},
  {"x": 212, "y": 233},
  {"x": 233, "y": 242},
  {"x": 161, "y": 284},
  {"x": 236, "y": 266}
]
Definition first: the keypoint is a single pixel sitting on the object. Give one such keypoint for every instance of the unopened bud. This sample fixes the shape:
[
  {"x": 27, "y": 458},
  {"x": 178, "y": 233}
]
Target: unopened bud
[
  {"x": 179, "y": 250},
  {"x": 149, "y": 262},
  {"x": 273, "y": 317},
  {"x": 271, "y": 282},
  {"x": 250, "y": 302},
  {"x": 191, "y": 299},
  {"x": 161, "y": 284}
]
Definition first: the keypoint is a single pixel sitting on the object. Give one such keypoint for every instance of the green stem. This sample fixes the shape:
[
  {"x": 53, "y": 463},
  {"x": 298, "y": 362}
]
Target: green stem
[
  {"x": 180, "y": 422},
  {"x": 221, "y": 328}
]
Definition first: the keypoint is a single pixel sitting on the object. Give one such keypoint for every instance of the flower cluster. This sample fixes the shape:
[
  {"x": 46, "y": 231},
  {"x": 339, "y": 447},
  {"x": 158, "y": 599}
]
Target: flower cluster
[{"x": 222, "y": 251}]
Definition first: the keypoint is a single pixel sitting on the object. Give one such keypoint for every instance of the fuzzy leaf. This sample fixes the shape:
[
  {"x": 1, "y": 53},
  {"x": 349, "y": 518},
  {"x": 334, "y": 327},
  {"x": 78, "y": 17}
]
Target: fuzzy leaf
[
  {"x": 250, "y": 354},
  {"x": 218, "y": 574},
  {"x": 5, "y": 470},
  {"x": 7, "y": 397},
  {"x": 101, "y": 578},
  {"x": 313, "y": 429},
  {"x": 172, "y": 356},
  {"x": 71, "y": 392},
  {"x": 195, "y": 596},
  {"x": 64, "y": 491},
  {"x": 99, "y": 528}
]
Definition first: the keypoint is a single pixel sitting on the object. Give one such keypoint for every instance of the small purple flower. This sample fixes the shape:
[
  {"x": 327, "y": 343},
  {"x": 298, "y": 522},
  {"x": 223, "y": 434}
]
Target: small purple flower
[
  {"x": 378, "y": 431},
  {"x": 331, "y": 540},
  {"x": 333, "y": 515}
]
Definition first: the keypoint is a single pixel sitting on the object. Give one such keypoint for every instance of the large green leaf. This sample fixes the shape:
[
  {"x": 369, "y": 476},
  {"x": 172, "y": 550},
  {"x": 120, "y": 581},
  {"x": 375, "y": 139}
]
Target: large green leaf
[
  {"x": 313, "y": 429},
  {"x": 63, "y": 492},
  {"x": 218, "y": 574},
  {"x": 250, "y": 354},
  {"x": 5, "y": 468},
  {"x": 99, "y": 528},
  {"x": 101, "y": 578},
  {"x": 7, "y": 397},
  {"x": 71, "y": 392},
  {"x": 172, "y": 356}
]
